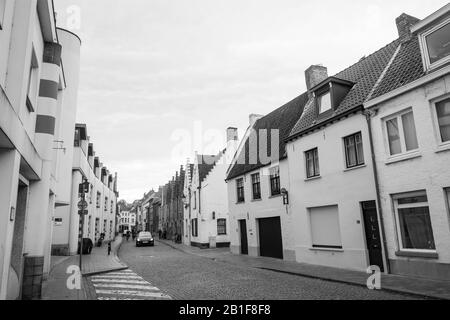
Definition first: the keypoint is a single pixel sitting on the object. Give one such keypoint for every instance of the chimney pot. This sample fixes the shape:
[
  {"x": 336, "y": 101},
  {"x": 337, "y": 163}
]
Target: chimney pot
[
  {"x": 404, "y": 23},
  {"x": 314, "y": 75},
  {"x": 232, "y": 134}
]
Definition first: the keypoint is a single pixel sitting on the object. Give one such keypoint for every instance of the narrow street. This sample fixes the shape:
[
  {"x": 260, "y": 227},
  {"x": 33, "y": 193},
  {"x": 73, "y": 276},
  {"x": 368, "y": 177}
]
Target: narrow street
[{"x": 185, "y": 276}]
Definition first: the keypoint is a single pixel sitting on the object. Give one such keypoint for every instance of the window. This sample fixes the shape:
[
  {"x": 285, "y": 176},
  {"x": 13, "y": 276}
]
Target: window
[
  {"x": 240, "y": 190},
  {"x": 33, "y": 81},
  {"x": 275, "y": 181},
  {"x": 98, "y": 199},
  {"x": 2, "y": 12},
  {"x": 436, "y": 44},
  {"x": 194, "y": 224},
  {"x": 106, "y": 204},
  {"x": 443, "y": 115},
  {"x": 401, "y": 132},
  {"x": 256, "y": 186},
  {"x": 325, "y": 229},
  {"x": 312, "y": 163},
  {"x": 324, "y": 102},
  {"x": 221, "y": 227},
  {"x": 112, "y": 206},
  {"x": 413, "y": 222},
  {"x": 195, "y": 199},
  {"x": 354, "y": 154}
]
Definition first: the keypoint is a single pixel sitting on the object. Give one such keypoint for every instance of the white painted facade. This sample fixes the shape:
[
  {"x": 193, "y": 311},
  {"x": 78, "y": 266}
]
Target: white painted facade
[
  {"x": 252, "y": 210},
  {"x": 127, "y": 220},
  {"x": 102, "y": 202},
  {"x": 336, "y": 186},
  {"x": 425, "y": 169},
  {"x": 36, "y": 101}
]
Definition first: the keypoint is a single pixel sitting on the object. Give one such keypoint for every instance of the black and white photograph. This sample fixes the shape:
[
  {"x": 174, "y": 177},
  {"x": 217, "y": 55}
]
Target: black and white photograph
[{"x": 223, "y": 158}]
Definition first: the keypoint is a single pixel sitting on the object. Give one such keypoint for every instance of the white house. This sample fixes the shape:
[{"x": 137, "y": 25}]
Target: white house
[
  {"x": 260, "y": 216},
  {"x": 127, "y": 220},
  {"x": 38, "y": 89},
  {"x": 206, "y": 214},
  {"x": 101, "y": 198},
  {"x": 410, "y": 123}
]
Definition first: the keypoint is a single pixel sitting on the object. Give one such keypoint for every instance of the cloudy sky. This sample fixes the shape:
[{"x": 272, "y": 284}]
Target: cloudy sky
[{"x": 160, "y": 77}]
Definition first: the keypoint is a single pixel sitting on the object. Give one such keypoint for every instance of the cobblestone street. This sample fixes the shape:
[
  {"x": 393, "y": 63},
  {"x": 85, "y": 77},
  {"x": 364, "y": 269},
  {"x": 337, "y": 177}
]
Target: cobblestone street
[{"x": 184, "y": 276}]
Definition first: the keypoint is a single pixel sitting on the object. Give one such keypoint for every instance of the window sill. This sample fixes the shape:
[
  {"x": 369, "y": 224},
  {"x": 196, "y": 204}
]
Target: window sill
[
  {"x": 416, "y": 254},
  {"x": 403, "y": 157},
  {"x": 326, "y": 249},
  {"x": 443, "y": 147},
  {"x": 313, "y": 178},
  {"x": 276, "y": 196},
  {"x": 355, "y": 168},
  {"x": 256, "y": 200},
  {"x": 240, "y": 202}
]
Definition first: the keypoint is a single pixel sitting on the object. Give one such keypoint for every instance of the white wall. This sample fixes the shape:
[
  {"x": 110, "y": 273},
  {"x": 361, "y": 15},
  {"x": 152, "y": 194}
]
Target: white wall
[
  {"x": 428, "y": 169},
  {"x": 266, "y": 208},
  {"x": 336, "y": 186}
]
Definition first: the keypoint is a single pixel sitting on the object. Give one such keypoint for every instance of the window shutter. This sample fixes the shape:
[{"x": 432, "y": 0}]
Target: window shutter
[{"x": 325, "y": 229}]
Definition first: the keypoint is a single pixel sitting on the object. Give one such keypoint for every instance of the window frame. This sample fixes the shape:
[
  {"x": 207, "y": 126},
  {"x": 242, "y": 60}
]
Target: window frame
[
  {"x": 256, "y": 183},
  {"x": 238, "y": 187},
  {"x": 398, "y": 116},
  {"x": 33, "y": 82},
  {"x": 424, "y": 47},
  {"x": 398, "y": 206},
  {"x": 436, "y": 119},
  {"x": 316, "y": 163},
  {"x": 319, "y": 100},
  {"x": 224, "y": 226},
  {"x": 358, "y": 161},
  {"x": 273, "y": 177}
]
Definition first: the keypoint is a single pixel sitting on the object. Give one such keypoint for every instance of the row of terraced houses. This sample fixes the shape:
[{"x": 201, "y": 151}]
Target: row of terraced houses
[
  {"x": 352, "y": 173},
  {"x": 44, "y": 154}
]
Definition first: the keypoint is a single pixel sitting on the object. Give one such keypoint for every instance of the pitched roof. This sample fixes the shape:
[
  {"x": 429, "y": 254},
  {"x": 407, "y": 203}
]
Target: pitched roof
[
  {"x": 206, "y": 163},
  {"x": 405, "y": 68},
  {"x": 283, "y": 119},
  {"x": 364, "y": 74}
]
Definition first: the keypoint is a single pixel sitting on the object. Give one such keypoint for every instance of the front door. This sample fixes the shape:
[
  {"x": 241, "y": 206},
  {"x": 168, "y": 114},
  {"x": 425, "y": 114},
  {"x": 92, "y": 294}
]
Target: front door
[
  {"x": 270, "y": 238},
  {"x": 243, "y": 231},
  {"x": 373, "y": 238}
]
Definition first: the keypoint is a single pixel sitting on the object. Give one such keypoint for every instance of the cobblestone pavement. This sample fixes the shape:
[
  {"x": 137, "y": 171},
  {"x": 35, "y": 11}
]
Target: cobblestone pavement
[
  {"x": 190, "y": 277},
  {"x": 125, "y": 285}
]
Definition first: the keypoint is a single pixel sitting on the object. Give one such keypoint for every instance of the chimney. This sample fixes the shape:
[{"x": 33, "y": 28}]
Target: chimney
[
  {"x": 253, "y": 118},
  {"x": 315, "y": 75},
  {"x": 232, "y": 134},
  {"x": 404, "y": 24}
]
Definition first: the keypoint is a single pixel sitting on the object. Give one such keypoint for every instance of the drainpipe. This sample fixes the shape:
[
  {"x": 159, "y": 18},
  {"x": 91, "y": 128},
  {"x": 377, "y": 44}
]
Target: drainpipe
[{"x": 369, "y": 114}]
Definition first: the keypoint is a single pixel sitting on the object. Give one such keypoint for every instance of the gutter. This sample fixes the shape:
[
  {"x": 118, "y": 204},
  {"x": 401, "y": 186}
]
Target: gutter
[{"x": 369, "y": 115}]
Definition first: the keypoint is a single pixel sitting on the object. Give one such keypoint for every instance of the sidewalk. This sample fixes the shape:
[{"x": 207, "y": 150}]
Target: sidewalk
[
  {"x": 400, "y": 284},
  {"x": 55, "y": 288}
]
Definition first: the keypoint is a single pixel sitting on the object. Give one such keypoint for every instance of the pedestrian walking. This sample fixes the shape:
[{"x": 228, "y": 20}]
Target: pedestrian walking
[
  {"x": 128, "y": 236},
  {"x": 109, "y": 248}
]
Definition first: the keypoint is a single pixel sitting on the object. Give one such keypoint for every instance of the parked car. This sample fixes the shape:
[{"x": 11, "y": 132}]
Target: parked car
[
  {"x": 145, "y": 239},
  {"x": 87, "y": 246}
]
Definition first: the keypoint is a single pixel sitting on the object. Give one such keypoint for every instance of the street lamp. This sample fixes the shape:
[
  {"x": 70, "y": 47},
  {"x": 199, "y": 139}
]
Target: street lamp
[{"x": 285, "y": 194}]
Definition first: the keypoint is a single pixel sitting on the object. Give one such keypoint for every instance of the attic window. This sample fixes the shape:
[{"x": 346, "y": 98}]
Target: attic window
[
  {"x": 436, "y": 45},
  {"x": 324, "y": 102}
]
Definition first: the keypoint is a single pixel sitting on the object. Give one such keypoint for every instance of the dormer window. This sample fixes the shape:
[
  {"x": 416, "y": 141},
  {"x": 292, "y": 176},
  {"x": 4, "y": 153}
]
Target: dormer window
[
  {"x": 436, "y": 45},
  {"x": 324, "y": 102}
]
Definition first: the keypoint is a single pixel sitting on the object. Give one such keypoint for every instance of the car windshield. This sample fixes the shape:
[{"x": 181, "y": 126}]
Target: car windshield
[{"x": 145, "y": 234}]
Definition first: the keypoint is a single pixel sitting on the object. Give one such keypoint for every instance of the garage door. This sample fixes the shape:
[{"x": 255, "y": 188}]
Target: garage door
[{"x": 270, "y": 241}]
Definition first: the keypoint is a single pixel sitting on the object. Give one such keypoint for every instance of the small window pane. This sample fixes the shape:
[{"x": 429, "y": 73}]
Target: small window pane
[
  {"x": 439, "y": 44},
  {"x": 416, "y": 229},
  {"x": 395, "y": 146},
  {"x": 409, "y": 129},
  {"x": 324, "y": 102},
  {"x": 443, "y": 113}
]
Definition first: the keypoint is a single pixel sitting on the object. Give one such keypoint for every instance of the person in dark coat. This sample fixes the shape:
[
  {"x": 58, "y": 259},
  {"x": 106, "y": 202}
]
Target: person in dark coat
[{"x": 109, "y": 248}]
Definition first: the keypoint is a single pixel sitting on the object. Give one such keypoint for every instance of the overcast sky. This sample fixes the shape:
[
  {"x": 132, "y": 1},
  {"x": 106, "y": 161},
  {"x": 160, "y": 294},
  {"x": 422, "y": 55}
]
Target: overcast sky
[{"x": 155, "y": 70}]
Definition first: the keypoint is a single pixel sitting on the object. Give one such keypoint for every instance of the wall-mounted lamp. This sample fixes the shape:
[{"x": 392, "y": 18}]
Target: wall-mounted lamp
[
  {"x": 285, "y": 194},
  {"x": 214, "y": 215}
]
